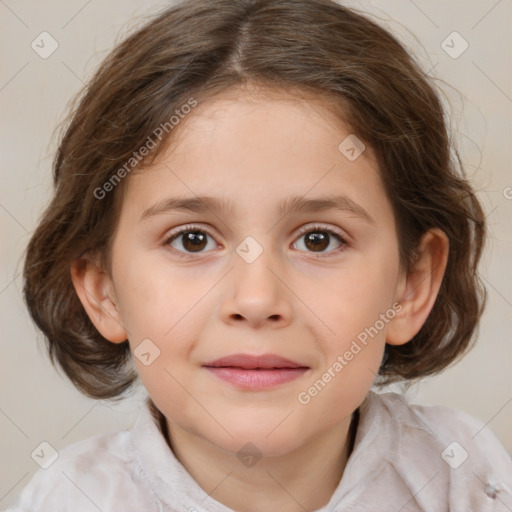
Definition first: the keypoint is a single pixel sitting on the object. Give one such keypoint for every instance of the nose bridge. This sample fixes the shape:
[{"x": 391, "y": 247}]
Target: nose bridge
[
  {"x": 257, "y": 289},
  {"x": 255, "y": 263}
]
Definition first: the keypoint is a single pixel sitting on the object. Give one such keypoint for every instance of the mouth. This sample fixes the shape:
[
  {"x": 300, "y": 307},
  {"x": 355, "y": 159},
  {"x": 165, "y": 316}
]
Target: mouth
[{"x": 256, "y": 372}]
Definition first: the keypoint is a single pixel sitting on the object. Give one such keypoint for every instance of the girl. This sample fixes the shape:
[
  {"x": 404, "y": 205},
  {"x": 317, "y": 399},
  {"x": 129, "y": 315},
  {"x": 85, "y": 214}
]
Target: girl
[{"x": 257, "y": 211}]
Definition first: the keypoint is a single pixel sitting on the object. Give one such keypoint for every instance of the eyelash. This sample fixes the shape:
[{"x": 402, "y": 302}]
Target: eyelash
[{"x": 302, "y": 231}]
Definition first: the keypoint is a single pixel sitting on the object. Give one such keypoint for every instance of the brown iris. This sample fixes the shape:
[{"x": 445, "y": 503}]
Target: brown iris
[
  {"x": 317, "y": 240},
  {"x": 194, "y": 241}
]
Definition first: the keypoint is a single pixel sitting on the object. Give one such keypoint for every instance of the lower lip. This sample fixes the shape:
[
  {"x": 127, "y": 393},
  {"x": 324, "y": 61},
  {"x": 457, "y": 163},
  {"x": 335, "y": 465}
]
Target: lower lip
[{"x": 257, "y": 379}]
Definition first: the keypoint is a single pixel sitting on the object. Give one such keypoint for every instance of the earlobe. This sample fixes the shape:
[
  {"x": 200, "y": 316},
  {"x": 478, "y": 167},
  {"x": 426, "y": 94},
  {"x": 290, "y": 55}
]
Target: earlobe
[
  {"x": 418, "y": 290},
  {"x": 95, "y": 290}
]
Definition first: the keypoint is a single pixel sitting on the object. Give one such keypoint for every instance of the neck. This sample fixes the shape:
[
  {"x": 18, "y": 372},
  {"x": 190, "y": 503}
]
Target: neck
[{"x": 303, "y": 480}]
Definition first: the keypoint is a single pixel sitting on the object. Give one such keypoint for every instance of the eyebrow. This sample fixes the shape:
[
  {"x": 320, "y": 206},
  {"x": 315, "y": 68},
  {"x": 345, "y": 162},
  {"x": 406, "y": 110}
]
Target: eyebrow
[{"x": 203, "y": 204}]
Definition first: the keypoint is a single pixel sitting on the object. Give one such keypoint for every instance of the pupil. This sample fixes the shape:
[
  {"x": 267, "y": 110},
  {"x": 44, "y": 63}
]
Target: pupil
[
  {"x": 319, "y": 240},
  {"x": 196, "y": 238}
]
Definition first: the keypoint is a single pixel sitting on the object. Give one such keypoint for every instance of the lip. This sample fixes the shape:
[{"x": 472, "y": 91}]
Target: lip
[
  {"x": 256, "y": 372},
  {"x": 250, "y": 362}
]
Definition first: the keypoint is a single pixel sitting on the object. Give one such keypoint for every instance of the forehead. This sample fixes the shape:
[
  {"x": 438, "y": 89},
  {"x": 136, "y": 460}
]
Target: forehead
[
  {"x": 261, "y": 107},
  {"x": 259, "y": 147}
]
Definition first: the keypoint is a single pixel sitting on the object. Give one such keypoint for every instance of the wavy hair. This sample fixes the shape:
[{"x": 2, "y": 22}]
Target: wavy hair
[{"x": 197, "y": 49}]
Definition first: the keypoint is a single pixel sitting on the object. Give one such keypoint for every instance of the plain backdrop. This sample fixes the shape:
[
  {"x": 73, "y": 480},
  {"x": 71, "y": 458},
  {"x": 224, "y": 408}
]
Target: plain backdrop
[{"x": 36, "y": 403}]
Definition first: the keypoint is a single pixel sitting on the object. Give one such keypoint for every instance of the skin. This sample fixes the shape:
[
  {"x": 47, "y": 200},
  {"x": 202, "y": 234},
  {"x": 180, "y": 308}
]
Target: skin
[{"x": 257, "y": 148}]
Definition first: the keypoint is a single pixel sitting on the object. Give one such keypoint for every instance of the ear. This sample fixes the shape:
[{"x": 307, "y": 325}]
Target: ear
[
  {"x": 95, "y": 290},
  {"x": 417, "y": 291}
]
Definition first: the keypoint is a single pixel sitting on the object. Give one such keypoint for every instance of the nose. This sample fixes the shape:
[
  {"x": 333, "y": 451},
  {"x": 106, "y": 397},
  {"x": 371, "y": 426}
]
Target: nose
[{"x": 257, "y": 294}]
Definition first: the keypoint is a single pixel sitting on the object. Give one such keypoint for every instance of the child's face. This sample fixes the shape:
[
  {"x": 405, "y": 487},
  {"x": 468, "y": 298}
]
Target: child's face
[{"x": 303, "y": 298}]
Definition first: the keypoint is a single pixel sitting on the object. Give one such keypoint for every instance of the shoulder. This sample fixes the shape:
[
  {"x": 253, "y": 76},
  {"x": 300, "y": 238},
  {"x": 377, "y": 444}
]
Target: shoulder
[
  {"x": 449, "y": 445},
  {"x": 97, "y": 473}
]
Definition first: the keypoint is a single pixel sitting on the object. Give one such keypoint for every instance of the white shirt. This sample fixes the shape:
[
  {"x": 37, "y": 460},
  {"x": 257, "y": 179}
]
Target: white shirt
[{"x": 405, "y": 458}]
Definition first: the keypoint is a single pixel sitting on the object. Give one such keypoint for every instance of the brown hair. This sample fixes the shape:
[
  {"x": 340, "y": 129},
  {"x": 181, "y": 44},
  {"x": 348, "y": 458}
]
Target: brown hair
[{"x": 195, "y": 49}]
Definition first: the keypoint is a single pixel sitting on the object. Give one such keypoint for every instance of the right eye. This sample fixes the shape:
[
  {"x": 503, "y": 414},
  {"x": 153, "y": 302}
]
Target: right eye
[{"x": 193, "y": 239}]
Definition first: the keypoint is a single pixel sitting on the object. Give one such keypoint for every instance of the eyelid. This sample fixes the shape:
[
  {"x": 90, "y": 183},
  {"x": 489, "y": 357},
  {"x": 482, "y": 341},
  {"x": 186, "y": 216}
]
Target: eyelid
[
  {"x": 187, "y": 227},
  {"x": 326, "y": 227}
]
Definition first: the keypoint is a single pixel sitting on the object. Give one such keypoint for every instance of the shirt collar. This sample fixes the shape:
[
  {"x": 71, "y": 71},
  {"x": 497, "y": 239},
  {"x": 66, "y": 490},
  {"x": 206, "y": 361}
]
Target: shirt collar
[{"x": 175, "y": 487}]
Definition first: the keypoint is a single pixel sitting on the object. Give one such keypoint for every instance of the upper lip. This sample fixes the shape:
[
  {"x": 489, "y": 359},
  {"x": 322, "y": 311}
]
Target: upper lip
[{"x": 250, "y": 362}]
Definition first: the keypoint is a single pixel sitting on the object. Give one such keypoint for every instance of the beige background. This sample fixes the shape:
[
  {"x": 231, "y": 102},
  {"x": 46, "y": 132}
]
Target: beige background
[{"x": 36, "y": 404}]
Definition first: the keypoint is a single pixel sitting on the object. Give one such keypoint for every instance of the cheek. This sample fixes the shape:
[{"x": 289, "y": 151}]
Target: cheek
[
  {"x": 155, "y": 297},
  {"x": 352, "y": 362},
  {"x": 163, "y": 312},
  {"x": 357, "y": 306},
  {"x": 351, "y": 299}
]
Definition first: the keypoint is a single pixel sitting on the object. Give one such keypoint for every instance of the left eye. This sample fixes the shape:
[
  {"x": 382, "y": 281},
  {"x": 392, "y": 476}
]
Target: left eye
[
  {"x": 194, "y": 239},
  {"x": 317, "y": 239}
]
